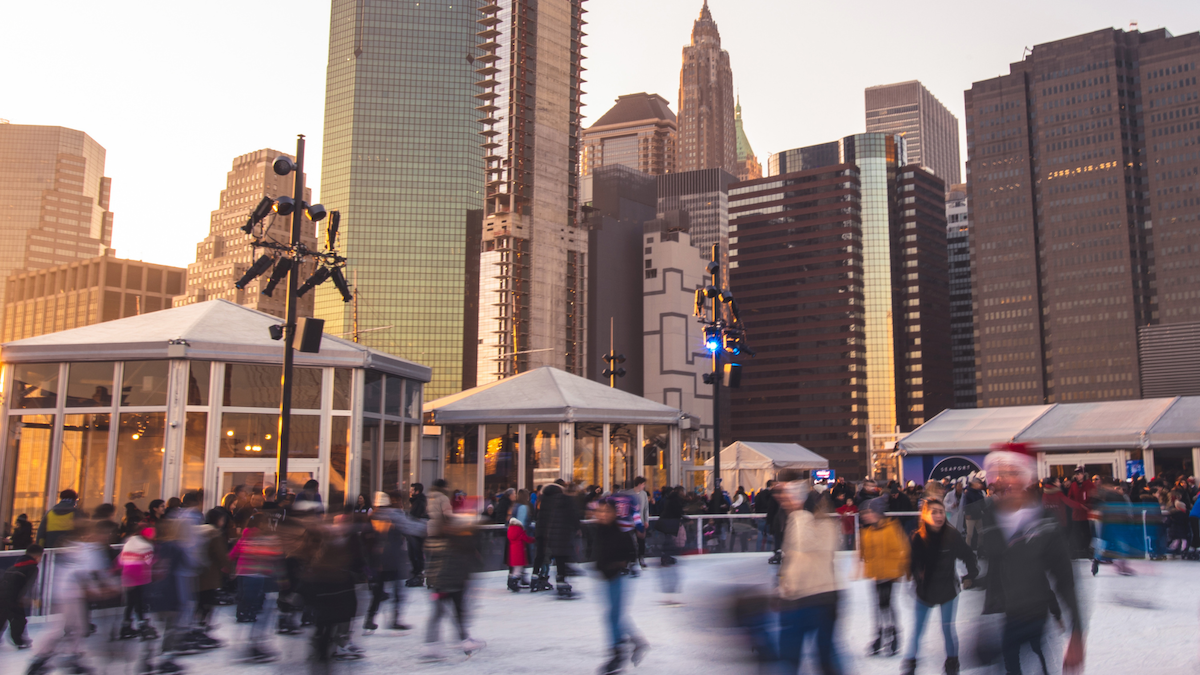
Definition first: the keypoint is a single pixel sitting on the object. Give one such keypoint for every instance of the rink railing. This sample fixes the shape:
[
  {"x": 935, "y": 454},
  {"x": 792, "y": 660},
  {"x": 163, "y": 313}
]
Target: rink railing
[{"x": 704, "y": 533}]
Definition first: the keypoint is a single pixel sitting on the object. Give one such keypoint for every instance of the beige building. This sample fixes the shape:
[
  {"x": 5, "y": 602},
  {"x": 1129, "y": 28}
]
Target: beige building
[
  {"x": 225, "y": 254},
  {"x": 637, "y": 132},
  {"x": 86, "y": 293},
  {"x": 53, "y": 198},
  {"x": 707, "y": 136},
  {"x": 533, "y": 253},
  {"x": 929, "y": 129}
]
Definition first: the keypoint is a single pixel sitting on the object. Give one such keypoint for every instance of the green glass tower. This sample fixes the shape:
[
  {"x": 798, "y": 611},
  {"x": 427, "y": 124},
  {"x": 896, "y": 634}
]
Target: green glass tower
[{"x": 402, "y": 162}]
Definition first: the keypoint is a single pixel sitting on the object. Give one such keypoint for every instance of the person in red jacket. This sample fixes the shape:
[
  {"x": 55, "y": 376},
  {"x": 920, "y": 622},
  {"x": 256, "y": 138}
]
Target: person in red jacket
[
  {"x": 1081, "y": 490},
  {"x": 517, "y": 541}
]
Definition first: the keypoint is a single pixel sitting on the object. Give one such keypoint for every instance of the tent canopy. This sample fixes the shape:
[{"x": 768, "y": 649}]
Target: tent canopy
[
  {"x": 751, "y": 465},
  {"x": 216, "y": 330},
  {"x": 548, "y": 395},
  {"x": 1103, "y": 425}
]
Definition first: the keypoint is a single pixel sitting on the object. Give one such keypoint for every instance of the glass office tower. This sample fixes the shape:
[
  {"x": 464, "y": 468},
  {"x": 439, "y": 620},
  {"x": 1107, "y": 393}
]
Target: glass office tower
[{"x": 402, "y": 163}]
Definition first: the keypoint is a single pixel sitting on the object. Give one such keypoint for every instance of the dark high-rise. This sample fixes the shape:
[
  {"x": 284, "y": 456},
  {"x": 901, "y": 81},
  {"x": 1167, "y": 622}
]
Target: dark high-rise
[
  {"x": 796, "y": 269},
  {"x": 402, "y": 162},
  {"x": 929, "y": 129},
  {"x": 1083, "y": 175},
  {"x": 962, "y": 323}
]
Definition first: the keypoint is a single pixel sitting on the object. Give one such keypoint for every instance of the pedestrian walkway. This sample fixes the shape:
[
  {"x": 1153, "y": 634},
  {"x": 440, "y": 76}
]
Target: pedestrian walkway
[{"x": 1145, "y": 623}]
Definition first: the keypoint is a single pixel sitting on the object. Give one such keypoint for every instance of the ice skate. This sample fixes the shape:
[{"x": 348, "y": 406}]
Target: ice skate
[
  {"x": 471, "y": 645},
  {"x": 614, "y": 665},
  {"x": 514, "y": 584},
  {"x": 952, "y": 666},
  {"x": 909, "y": 667},
  {"x": 894, "y": 646},
  {"x": 431, "y": 651},
  {"x": 565, "y": 592},
  {"x": 877, "y": 645},
  {"x": 640, "y": 647}
]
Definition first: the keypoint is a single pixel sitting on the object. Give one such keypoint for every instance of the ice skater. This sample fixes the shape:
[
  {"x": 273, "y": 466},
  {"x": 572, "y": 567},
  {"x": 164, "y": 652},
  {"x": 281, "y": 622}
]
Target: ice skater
[{"x": 615, "y": 551}]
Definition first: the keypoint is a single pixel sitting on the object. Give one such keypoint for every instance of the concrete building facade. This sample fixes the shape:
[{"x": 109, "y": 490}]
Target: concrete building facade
[
  {"x": 929, "y": 129},
  {"x": 225, "y": 254},
  {"x": 638, "y": 132},
  {"x": 707, "y": 135},
  {"x": 55, "y": 198},
  {"x": 533, "y": 259}
]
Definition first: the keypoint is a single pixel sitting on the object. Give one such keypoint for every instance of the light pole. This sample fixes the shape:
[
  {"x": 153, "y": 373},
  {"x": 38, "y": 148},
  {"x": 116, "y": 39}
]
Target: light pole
[
  {"x": 720, "y": 337},
  {"x": 287, "y": 260}
]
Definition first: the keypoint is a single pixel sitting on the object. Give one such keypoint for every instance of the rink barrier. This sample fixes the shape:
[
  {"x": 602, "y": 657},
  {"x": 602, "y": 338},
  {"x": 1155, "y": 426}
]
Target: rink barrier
[{"x": 705, "y": 534}]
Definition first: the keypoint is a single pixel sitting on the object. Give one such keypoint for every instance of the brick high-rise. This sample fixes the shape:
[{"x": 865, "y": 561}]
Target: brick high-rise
[
  {"x": 1085, "y": 220},
  {"x": 707, "y": 134}
]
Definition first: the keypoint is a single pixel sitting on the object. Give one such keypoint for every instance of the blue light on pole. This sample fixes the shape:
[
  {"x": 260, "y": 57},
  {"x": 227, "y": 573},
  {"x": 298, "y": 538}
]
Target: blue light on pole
[{"x": 712, "y": 340}]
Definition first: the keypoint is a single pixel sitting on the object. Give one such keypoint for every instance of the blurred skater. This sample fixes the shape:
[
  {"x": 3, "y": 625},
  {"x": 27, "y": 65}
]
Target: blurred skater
[
  {"x": 885, "y": 554},
  {"x": 389, "y": 556},
  {"x": 615, "y": 552},
  {"x": 453, "y": 557},
  {"x": 15, "y": 585}
]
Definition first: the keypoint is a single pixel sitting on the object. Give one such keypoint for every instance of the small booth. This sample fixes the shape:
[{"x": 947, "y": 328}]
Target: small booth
[
  {"x": 545, "y": 424},
  {"x": 184, "y": 399},
  {"x": 1120, "y": 439},
  {"x": 751, "y": 465}
]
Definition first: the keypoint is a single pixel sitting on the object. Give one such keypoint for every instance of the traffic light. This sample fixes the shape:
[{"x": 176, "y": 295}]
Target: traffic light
[{"x": 612, "y": 360}]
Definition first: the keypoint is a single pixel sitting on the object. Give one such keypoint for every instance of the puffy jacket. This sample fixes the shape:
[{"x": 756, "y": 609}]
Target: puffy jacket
[
  {"x": 16, "y": 581},
  {"x": 809, "y": 544},
  {"x": 59, "y": 524},
  {"x": 884, "y": 550},
  {"x": 440, "y": 511},
  {"x": 135, "y": 560}
]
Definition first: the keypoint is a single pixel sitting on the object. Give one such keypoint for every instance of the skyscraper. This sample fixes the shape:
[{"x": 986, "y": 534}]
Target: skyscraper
[
  {"x": 1084, "y": 224},
  {"x": 532, "y": 266},
  {"x": 962, "y": 325},
  {"x": 225, "y": 254},
  {"x": 401, "y": 161},
  {"x": 748, "y": 167},
  {"x": 905, "y": 305},
  {"x": 707, "y": 136},
  {"x": 928, "y": 127},
  {"x": 704, "y": 196},
  {"x": 53, "y": 198},
  {"x": 637, "y": 132}
]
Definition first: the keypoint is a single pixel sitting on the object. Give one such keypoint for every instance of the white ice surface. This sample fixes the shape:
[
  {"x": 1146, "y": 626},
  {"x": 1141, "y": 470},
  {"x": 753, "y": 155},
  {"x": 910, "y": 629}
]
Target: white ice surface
[{"x": 1148, "y": 623}]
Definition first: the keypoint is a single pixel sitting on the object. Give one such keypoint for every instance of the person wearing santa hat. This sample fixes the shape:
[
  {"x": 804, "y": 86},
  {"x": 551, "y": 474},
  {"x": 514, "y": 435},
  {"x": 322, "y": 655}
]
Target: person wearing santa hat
[{"x": 1024, "y": 547}]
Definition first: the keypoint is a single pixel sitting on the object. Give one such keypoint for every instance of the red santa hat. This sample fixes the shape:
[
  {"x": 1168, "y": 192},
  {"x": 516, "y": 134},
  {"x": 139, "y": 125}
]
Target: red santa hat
[{"x": 1019, "y": 456}]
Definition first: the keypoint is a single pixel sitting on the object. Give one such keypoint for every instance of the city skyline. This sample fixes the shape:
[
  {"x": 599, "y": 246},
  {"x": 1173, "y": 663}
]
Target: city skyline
[{"x": 210, "y": 129}]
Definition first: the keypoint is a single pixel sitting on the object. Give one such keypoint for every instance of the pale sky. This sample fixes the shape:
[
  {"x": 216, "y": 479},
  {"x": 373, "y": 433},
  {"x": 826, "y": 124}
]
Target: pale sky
[{"x": 174, "y": 91}]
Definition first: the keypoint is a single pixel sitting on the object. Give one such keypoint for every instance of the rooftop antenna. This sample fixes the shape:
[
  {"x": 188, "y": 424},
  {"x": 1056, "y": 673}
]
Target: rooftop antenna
[
  {"x": 1025, "y": 53},
  {"x": 1133, "y": 25}
]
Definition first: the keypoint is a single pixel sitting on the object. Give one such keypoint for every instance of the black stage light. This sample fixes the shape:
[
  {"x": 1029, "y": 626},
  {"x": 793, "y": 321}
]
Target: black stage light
[
  {"x": 261, "y": 265},
  {"x": 281, "y": 269},
  {"x": 315, "y": 213},
  {"x": 261, "y": 211},
  {"x": 283, "y": 165},
  {"x": 276, "y": 331},
  {"x": 331, "y": 230},
  {"x": 339, "y": 280},
  {"x": 284, "y": 206},
  {"x": 312, "y": 282}
]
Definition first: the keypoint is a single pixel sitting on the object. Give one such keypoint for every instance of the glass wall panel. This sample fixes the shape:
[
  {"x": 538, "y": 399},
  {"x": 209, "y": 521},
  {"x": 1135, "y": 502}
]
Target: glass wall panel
[
  {"x": 621, "y": 443},
  {"x": 393, "y": 396},
  {"x": 343, "y": 388},
  {"x": 306, "y": 437},
  {"x": 543, "y": 457},
  {"x": 84, "y": 457},
  {"x": 373, "y": 391},
  {"x": 89, "y": 385},
  {"x": 339, "y": 445},
  {"x": 306, "y": 388},
  {"x": 250, "y": 385},
  {"x": 35, "y": 385},
  {"x": 656, "y": 450},
  {"x": 589, "y": 460},
  {"x": 410, "y": 432},
  {"x": 144, "y": 383},
  {"x": 368, "y": 477},
  {"x": 462, "y": 457},
  {"x": 27, "y": 455},
  {"x": 199, "y": 374},
  {"x": 141, "y": 440},
  {"x": 412, "y": 399},
  {"x": 391, "y": 478},
  {"x": 500, "y": 458},
  {"x": 195, "y": 435},
  {"x": 249, "y": 435}
]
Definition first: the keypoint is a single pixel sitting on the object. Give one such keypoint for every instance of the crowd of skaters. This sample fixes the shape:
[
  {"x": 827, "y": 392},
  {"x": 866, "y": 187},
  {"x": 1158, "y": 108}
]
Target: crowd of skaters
[{"x": 177, "y": 563}]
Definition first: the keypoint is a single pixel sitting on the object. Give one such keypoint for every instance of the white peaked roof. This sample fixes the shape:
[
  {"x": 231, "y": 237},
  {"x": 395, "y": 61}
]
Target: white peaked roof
[
  {"x": 548, "y": 395},
  {"x": 755, "y": 455},
  {"x": 216, "y": 330},
  {"x": 1102, "y": 425}
]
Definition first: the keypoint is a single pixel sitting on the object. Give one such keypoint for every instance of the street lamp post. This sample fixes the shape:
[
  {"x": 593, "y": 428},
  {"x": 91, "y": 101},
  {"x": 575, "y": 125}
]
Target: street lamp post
[{"x": 286, "y": 259}]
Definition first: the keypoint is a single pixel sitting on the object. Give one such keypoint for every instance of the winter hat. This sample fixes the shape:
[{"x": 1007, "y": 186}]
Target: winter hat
[
  {"x": 516, "y": 521},
  {"x": 878, "y": 505},
  {"x": 382, "y": 499},
  {"x": 1017, "y": 456}
]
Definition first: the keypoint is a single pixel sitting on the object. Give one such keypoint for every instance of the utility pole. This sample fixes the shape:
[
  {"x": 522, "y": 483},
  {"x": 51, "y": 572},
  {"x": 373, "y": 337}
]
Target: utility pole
[{"x": 289, "y": 333}]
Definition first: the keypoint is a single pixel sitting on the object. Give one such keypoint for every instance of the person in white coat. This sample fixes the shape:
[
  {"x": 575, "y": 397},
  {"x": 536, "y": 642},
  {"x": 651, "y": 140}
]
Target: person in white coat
[{"x": 953, "y": 499}]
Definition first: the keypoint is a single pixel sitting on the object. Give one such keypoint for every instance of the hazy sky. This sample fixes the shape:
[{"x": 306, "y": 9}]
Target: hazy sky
[{"x": 174, "y": 91}]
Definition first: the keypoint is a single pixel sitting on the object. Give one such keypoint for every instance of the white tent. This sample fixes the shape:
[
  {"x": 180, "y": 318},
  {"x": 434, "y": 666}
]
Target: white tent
[{"x": 751, "y": 465}]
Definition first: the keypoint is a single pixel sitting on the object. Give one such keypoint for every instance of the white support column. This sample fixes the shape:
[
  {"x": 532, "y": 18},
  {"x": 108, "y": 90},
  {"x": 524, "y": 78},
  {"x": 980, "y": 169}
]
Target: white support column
[
  {"x": 481, "y": 444},
  {"x": 522, "y": 457},
  {"x": 1148, "y": 463},
  {"x": 56, "y": 437},
  {"x": 177, "y": 386},
  {"x": 325, "y": 428},
  {"x": 675, "y": 470},
  {"x": 212, "y": 445},
  {"x": 1196, "y": 464},
  {"x": 114, "y": 425},
  {"x": 1119, "y": 464},
  {"x": 5, "y": 398},
  {"x": 606, "y": 462},
  {"x": 354, "y": 452},
  {"x": 639, "y": 461},
  {"x": 566, "y": 451}
]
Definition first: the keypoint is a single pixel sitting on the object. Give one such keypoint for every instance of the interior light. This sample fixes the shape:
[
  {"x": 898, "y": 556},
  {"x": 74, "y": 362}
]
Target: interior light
[
  {"x": 136, "y": 436},
  {"x": 229, "y": 433}
]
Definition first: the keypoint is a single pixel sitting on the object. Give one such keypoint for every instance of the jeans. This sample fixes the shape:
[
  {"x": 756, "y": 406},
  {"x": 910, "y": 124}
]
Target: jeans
[
  {"x": 416, "y": 555},
  {"x": 440, "y": 600},
  {"x": 795, "y": 626},
  {"x": 619, "y": 627},
  {"x": 948, "y": 632},
  {"x": 379, "y": 585},
  {"x": 1017, "y": 633}
]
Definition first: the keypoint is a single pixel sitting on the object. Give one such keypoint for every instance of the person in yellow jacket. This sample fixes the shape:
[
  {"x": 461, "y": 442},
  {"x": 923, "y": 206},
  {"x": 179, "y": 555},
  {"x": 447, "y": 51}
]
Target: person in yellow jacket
[{"x": 885, "y": 552}]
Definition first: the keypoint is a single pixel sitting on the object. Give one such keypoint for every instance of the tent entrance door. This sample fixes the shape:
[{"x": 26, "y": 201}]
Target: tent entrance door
[{"x": 1104, "y": 464}]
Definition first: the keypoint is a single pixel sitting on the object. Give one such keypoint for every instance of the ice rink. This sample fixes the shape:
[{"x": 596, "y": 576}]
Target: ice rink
[{"x": 1146, "y": 623}]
